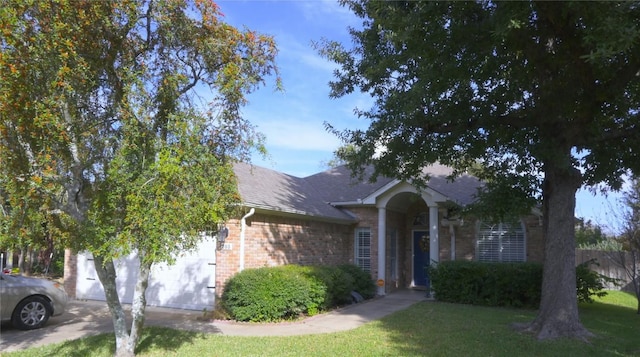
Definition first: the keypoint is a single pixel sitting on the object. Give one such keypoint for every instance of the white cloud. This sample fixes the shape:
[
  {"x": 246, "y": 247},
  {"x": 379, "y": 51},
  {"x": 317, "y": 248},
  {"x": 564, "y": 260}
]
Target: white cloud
[
  {"x": 297, "y": 135},
  {"x": 328, "y": 13},
  {"x": 314, "y": 60},
  {"x": 298, "y": 51}
]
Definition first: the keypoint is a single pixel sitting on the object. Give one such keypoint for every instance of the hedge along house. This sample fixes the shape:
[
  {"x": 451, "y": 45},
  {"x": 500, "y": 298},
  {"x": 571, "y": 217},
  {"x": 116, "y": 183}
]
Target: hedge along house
[{"x": 389, "y": 228}]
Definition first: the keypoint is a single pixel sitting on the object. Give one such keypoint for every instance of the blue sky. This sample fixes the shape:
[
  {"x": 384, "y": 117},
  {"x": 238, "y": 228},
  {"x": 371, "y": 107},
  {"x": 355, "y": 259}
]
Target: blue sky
[{"x": 292, "y": 120}]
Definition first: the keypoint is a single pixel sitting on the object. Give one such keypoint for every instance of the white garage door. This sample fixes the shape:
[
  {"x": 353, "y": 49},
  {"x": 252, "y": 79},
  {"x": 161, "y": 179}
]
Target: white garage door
[{"x": 187, "y": 284}]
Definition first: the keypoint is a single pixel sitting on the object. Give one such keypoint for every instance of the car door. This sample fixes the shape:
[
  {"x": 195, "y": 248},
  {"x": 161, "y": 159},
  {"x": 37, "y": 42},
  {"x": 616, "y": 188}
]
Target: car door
[
  {"x": 9, "y": 295},
  {"x": 4, "y": 299}
]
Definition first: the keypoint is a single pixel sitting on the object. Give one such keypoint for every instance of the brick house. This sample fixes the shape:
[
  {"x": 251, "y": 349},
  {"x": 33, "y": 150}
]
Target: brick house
[{"x": 389, "y": 228}]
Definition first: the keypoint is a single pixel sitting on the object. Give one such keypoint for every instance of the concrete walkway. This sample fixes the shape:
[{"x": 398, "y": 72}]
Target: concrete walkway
[{"x": 86, "y": 318}]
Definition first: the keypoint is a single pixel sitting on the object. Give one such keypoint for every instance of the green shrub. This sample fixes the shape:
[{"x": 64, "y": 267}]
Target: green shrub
[
  {"x": 589, "y": 282},
  {"x": 504, "y": 284},
  {"x": 362, "y": 282},
  {"x": 456, "y": 281},
  {"x": 284, "y": 292},
  {"x": 338, "y": 284},
  {"x": 490, "y": 284},
  {"x": 272, "y": 294}
]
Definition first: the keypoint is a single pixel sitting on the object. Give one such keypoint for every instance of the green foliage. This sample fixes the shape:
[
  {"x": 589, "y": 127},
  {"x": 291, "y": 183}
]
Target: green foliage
[
  {"x": 338, "y": 283},
  {"x": 362, "y": 282},
  {"x": 607, "y": 245},
  {"x": 490, "y": 284},
  {"x": 272, "y": 294},
  {"x": 589, "y": 234},
  {"x": 338, "y": 154},
  {"x": 544, "y": 95},
  {"x": 590, "y": 283},
  {"x": 57, "y": 265},
  {"x": 505, "y": 284},
  {"x": 285, "y": 292},
  {"x": 108, "y": 132},
  {"x": 461, "y": 82},
  {"x": 121, "y": 119}
]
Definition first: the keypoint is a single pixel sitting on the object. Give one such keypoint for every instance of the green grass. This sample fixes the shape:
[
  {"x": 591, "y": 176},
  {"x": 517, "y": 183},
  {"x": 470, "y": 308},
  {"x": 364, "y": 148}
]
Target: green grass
[{"x": 425, "y": 329}]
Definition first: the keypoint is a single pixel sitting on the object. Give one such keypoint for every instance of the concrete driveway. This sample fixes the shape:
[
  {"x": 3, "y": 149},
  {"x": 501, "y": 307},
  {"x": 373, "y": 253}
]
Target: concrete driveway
[{"x": 86, "y": 318}]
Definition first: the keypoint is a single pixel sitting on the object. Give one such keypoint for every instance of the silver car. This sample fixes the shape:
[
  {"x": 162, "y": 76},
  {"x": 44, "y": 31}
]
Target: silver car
[{"x": 29, "y": 302}]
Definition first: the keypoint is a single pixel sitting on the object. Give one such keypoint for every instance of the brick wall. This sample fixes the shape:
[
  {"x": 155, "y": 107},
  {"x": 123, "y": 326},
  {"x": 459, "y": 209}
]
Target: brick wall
[
  {"x": 367, "y": 217},
  {"x": 535, "y": 238},
  {"x": 273, "y": 240},
  {"x": 466, "y": 240},
  {"x": 70, "y": 273}
]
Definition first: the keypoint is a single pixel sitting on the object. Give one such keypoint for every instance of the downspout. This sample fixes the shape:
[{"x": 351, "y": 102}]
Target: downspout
[{"x": 243, "y": 227}]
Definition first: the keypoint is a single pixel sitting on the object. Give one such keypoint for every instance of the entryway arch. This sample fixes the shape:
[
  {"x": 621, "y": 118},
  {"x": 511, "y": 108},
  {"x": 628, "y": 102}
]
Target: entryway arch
[{"x": 393, "y": 197}]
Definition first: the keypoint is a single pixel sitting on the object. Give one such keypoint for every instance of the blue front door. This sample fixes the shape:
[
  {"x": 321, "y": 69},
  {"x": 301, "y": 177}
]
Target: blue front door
[{"x": 420, "y": 258}]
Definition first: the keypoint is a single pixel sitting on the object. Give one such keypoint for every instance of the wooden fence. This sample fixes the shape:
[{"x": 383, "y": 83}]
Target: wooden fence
[{"x": 609, "y": 264}]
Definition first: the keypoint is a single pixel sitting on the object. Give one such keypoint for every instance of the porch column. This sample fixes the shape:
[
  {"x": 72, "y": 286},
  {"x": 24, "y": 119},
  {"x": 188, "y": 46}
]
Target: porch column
[
  {"x": 434, "y": 246},
  {"x": 382, "y": 253}
]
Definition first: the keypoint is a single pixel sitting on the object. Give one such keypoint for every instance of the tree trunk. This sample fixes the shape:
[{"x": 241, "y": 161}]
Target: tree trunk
[
  {"x": 558, "y": 313},
  {"x": 31, "y": 261},
  {"x": 139, "y": 302},
  {"x": 21, "y": 260},
  {"x": 107, "y": 275}
]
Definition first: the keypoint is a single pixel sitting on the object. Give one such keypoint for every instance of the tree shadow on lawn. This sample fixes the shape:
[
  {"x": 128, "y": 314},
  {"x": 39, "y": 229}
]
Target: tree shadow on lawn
[
  {"x": 153, "y": 339},
  {"x": 166, "y": 339},
  {"x": 444, "y": 329}
]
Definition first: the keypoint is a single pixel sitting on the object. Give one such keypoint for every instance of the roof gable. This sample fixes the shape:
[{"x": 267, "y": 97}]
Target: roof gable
[{"x": 337, "y": 185}]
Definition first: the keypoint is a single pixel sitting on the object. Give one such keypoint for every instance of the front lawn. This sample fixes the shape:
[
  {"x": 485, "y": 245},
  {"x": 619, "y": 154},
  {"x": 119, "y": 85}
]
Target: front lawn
[{"x": 425, "y": 329}]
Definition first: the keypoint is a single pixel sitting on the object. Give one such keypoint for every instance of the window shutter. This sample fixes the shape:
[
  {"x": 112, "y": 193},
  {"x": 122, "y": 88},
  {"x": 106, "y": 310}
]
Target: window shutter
[{"x": 363, "y": 249}]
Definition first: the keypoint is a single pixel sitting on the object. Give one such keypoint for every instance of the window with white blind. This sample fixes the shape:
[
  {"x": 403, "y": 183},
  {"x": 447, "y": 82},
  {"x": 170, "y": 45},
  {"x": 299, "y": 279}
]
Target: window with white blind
[
  {"x": 363, "y": 248},
  {"x": 501, "y": 242}
]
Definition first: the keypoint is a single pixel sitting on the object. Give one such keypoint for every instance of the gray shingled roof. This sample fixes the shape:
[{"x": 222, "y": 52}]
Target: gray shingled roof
[
  {"x": 264, "y": 188},
  {"x": 268, "y": 189},
  {"x": 461, "y": 191},
  {"x": 337, "y": 185}
]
